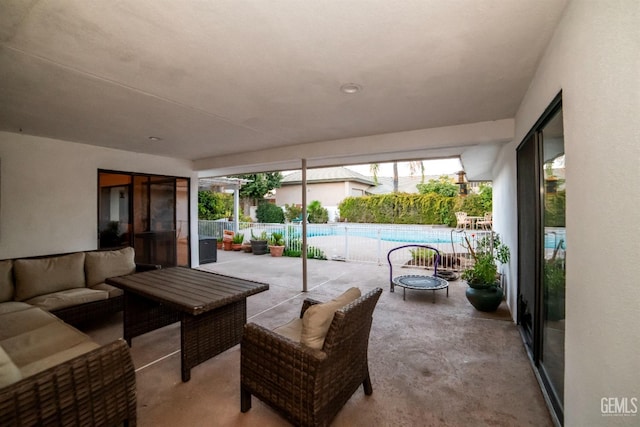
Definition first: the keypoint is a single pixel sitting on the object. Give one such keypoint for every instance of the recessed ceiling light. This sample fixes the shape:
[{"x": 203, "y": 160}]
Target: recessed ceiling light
[
  {"x": 350, "y": 88},
  {"x": 154, "y": 138}
]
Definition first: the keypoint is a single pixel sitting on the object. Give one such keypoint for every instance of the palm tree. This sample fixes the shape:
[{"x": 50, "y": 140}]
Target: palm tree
[{"x": 375, "y": 168}]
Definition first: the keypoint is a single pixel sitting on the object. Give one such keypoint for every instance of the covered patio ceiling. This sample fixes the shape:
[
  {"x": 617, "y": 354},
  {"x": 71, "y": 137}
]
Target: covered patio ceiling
[{"x": 250, "y": 85}]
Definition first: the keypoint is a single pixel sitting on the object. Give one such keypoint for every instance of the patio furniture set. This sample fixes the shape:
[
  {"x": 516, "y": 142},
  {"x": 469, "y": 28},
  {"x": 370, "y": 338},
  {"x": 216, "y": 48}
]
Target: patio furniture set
[
  {"x": 464, "y": 221},
  {"x": 53, "y": 374}
]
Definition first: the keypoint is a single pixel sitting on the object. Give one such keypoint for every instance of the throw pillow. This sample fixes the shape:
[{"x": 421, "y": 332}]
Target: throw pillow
[{"x": 317, "y": 319}]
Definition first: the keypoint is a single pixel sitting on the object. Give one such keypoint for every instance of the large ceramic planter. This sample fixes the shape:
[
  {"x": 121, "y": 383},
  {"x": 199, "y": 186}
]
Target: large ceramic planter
[
  {"x": 259, "y": 247},
  {"x": 276, "y": 250},
  {"x": 484, "y": 297}
]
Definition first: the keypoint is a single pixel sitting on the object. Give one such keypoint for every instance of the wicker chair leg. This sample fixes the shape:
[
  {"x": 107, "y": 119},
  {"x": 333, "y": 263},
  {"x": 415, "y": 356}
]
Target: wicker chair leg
[
  {"x": 245, "y": 400},
  {"x": 367, "y": 385}
]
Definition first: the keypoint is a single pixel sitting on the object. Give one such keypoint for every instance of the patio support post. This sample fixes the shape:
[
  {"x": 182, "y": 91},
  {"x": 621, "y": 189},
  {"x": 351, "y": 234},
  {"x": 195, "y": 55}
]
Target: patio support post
[
  {"x": 236, "y": 208},
  {"x": 304, "y": 225}
]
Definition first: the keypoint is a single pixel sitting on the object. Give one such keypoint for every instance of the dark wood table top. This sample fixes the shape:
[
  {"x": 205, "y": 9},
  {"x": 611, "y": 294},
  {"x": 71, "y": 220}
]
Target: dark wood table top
[{"x": 188, "y": 290}]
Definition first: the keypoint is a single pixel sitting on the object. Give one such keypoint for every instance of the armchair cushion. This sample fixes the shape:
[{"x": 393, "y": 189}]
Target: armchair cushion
[
  {"x": 291, "y": 330},
  {"x": 317, "y": 319},
  {"x": 100, "y": 265},
  {"x": 45, "y": 275}
]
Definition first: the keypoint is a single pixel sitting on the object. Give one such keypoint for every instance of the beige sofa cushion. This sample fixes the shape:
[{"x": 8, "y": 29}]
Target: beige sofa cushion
[
  {"x": 103, "y": 264},
  {"x": 68, "y": 298},
  {"x": 36, "y": 340},
  {"x": 19, "y": 322},
  {"x": 6, "y": 280},
  {"x": 317, "y": 319},
  {"x": 9, "y": 372},
  {"x": 9, "y": 306},
  {"x": 46, "y": 275},
  {"x": 112, "y": 291}
]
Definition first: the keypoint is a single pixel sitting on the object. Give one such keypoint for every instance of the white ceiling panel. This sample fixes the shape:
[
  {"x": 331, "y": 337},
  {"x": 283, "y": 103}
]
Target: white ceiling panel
[{"x": 225, "y": 77}]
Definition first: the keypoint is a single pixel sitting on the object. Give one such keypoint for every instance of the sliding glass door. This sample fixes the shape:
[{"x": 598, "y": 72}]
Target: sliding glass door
[
  {"x": 542, "y": 248},
  {"x": 148, "y": 212},
  {"x": 553, "y": 257}
]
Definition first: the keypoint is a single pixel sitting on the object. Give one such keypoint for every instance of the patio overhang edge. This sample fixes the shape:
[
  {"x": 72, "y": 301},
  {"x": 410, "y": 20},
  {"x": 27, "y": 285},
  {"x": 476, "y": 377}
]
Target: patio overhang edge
[{"x": 442, "y": 142}]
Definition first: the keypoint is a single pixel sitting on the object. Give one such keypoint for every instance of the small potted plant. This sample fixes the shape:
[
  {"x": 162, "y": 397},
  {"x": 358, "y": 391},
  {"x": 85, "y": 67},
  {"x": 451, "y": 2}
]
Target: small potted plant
[
  {"x": 276, "y": 244},
  {"x": 227, "y": 239},
  {"x": 219, "y": 242},
  {"x": 484, "y": 291},
  {"x": 259, "y": 243},
  {"x": 236, "y": 242}
]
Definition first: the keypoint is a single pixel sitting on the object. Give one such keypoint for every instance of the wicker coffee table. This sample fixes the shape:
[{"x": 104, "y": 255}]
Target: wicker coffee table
[{"x": 211, "y": 309}]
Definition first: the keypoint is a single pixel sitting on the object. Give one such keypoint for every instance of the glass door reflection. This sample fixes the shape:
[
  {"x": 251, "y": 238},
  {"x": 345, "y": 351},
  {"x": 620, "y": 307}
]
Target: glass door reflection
[{"x": 553, "y": 263}]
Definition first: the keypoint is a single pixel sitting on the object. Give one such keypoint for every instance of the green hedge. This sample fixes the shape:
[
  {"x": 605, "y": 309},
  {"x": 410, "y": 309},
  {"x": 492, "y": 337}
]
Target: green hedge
[
  {"x": 554, "y": 209},
  {"x": 404, "y": 208}
]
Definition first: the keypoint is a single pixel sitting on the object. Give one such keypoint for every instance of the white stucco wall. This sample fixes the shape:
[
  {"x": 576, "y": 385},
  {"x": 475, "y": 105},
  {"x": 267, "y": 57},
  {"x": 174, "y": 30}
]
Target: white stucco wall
[
  {"x": 48, "y": 194},
  {"x": 327, "y": 193},
  {"x": 594, "y": 59}
]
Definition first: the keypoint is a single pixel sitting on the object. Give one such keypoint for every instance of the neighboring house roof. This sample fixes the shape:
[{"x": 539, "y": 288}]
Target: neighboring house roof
[
  {"x": 406, "y": 184},
  {"x": 220, "y": 183},
  {"x": 337, "y": 174}
]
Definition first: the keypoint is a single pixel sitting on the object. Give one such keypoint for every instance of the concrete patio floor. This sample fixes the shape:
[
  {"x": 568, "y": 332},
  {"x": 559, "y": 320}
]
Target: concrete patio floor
[{"x": 431, "y": 364}]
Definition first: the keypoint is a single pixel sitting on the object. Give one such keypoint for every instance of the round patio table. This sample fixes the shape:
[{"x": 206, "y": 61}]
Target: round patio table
[{"x": 420, "y": 282}]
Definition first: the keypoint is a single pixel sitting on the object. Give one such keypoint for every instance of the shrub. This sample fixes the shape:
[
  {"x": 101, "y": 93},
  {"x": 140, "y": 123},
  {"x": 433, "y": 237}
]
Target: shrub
[
  {"x": 312, "y": 253},
  {"x": 317, "y": 214},
  {"x": 292, "y": 212},
  {"x": 422, "y": 256},
  {"x": 269, "y": 213},
  {"x": 443, "y": 186},
  {"x": 212, "y": 205}
]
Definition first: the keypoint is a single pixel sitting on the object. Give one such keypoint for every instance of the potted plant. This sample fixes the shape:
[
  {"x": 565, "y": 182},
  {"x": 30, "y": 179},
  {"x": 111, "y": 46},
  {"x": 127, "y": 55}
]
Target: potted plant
[
  {"x": 219, "y": 242},
  {"x": 227, "y": 239},
  {"x": 246, "y": 247},
  {"x": 259, "y": 243},
  {"x": 236, "y": 242},
  {"x": 484, "y": 291},
  {"x": 276, "y": 244}
]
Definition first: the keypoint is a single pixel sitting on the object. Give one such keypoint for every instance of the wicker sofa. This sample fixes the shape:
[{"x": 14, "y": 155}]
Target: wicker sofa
[
  {"x": 50, "y": 372},
  {"x": 71, "y": 286},
  {"x": 308, "y": 368}
]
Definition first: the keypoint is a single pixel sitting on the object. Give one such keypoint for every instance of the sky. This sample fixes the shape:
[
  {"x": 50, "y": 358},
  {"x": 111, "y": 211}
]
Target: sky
[{"x": 431, "y": 167}]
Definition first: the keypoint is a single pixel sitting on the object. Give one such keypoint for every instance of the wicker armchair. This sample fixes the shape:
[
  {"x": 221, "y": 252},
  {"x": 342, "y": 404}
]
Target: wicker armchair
[
  {"x": 97, "y": 388},
  {"x": 309, "y": 386}
]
